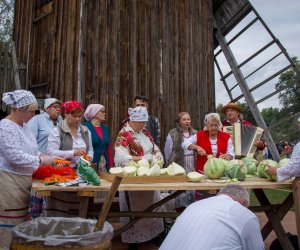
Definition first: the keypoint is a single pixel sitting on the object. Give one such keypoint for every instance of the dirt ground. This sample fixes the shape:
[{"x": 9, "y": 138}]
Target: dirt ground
[{"x": 289, "y": 224}]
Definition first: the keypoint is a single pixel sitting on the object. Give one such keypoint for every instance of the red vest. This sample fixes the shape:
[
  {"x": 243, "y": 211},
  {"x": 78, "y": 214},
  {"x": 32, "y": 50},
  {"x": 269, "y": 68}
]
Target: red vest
[{"x": 204, "y": 142}]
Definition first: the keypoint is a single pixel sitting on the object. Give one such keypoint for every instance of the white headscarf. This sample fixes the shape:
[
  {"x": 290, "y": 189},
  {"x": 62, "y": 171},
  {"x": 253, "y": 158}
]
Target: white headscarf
[
  {"x": 92, "y": 110},
  {"x": 138, "y": 114},
  {"x": 18, "y": 98},
  {"x": 49, "y": 101}
]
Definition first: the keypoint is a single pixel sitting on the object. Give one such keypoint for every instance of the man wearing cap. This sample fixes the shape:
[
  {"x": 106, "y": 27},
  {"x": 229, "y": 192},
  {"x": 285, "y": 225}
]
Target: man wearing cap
[
  {"x": 292, "y": 168},
  {"x": 233, "y": 115},
  {"x": 41, "y": 125}
]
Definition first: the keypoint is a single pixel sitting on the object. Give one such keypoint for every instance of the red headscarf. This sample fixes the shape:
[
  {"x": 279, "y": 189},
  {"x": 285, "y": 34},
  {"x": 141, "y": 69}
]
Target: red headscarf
[{"x": 69, "y": 106}]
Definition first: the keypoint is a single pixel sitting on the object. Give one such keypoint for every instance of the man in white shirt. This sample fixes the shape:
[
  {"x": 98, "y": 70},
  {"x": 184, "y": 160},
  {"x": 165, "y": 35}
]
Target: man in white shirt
[{"x": 219, "y": 222}]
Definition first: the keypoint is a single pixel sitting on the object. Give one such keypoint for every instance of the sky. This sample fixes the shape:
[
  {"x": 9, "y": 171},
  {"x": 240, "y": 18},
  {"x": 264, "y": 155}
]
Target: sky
[{"x": 283, "y": 19}]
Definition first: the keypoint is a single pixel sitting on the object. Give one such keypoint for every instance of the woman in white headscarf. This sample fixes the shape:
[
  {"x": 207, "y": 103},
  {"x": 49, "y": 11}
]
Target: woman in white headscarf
[
  {"x": 95, "y": 116},
  {"x": 134, "y": 142},
  {"x": 19, "y": 158}
]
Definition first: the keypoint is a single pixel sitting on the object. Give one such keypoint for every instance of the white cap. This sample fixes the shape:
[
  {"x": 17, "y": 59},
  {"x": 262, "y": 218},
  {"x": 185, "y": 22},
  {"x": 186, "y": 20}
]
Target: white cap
[{"x": 49, "y": 101}]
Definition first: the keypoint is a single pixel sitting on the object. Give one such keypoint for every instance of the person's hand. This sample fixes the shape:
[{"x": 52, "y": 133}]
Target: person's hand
[
  {"x": 259, "y": 144},
  {"x": 78, "y": 152},
  {"x": 226, "y": 157},
  {"x": 201, "y": 151},
  {"x": 271, "y": 170},
  {"x": 46, "y": 160}
]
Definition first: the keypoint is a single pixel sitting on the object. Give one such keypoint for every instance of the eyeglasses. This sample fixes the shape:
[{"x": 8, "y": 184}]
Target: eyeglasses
[{"x": 56, "y": 106}]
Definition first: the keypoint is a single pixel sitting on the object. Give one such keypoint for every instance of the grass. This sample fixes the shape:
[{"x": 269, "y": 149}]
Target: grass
[{"x": 275, "y": 196}]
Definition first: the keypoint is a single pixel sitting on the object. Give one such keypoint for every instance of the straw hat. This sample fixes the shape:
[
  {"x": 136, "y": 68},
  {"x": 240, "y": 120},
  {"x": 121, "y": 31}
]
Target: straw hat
[{"x": 232, "y": 105}]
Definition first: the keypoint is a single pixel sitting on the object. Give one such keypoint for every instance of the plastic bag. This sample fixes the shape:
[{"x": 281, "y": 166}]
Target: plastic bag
[
  {"x": 55, "y": 231},
  {"x": 87, "y": 172}
]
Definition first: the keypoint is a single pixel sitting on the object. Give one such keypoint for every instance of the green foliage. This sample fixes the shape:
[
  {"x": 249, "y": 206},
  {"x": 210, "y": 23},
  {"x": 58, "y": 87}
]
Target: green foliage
[
  {"x": 6, "y": 20},
  {"x": 290, "y": 96},
  {"x": 271, "y": 115}
]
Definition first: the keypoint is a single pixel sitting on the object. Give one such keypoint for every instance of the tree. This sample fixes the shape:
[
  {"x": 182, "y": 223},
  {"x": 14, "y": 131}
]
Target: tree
[
  {"x": 6, "y": 20},
  {"x": 289, "y": 97}
]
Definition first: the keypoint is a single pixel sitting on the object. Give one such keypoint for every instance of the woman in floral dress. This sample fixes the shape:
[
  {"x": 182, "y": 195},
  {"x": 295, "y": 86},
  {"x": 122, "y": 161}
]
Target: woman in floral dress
[{"x": 134, "y": 142}]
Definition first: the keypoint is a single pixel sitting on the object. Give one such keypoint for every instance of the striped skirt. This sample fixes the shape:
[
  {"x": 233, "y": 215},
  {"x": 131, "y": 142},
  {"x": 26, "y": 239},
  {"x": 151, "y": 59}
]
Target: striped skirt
[{"x": 14, "y": 203}]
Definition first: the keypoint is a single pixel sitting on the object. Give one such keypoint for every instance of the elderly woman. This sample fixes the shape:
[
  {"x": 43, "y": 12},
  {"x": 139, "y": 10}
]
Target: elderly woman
[
  {"x": 173, "y": 146},
  {"x": 210, "y": 141},
  {"x": 95, "y": 115},
  {"x": 134, "y": 142},
  {"x": 69, "y": 141},
  {"x": 41, "y": 125},
  {"x": 19, "y": 158},
  {"x": 290, "y": 169}
]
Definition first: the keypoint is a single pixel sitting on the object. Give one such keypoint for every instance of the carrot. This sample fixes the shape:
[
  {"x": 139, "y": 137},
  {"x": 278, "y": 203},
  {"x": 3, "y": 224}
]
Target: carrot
[
  {"x": 59, "y": 161},
  {"x": 58, "y": 178},
  {"x": 85, "y": 156}
]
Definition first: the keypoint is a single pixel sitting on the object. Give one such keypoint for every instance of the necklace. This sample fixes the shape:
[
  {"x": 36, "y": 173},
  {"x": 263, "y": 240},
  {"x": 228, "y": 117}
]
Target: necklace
[
  {"x": 213, "y": 141},
  {"x": 186, "y": 133}
]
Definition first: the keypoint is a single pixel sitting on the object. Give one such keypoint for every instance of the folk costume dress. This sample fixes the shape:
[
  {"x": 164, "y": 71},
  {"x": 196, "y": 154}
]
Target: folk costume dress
[
  {"x": 174, "y": 152},
  {"x": 130, "y": 143},
  {"x": 18, "y": 160}
]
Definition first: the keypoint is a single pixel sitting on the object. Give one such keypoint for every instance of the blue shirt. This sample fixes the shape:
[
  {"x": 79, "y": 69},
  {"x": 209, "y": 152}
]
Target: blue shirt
[{"x": 41, "y": 125}]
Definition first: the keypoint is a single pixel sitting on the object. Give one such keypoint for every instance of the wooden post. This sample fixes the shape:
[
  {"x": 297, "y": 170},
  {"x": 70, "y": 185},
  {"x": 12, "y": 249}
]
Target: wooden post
[
  {"x": 106, "y": 205},
  {"x": 81, "y": 54},
  {"x": 15, "y": 66},
  {"x": 296, "y": 194},
  {"x": 245, "y": 90}
]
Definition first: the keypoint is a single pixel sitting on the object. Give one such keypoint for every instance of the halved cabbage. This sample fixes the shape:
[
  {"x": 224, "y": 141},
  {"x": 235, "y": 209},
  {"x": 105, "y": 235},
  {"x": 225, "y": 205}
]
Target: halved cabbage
[
  {"x": 130, "y": 171},
  {"x": 116, "y": 170},
  {"x": 133, "y": 164},
  {"x": 143, "y": 163},
  {"x": 195, "y": 177},
  {"x": 143, "y": 171},
  {"x": 155, "y": 170}
]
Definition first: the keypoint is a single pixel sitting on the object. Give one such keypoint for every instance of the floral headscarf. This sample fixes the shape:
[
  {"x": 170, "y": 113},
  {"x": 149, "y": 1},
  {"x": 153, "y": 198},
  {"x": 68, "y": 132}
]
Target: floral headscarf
[{"x": 69, "y": 106}]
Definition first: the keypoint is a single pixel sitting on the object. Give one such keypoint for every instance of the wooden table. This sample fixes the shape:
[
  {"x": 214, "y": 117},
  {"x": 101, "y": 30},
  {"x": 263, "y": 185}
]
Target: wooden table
[{"x": 274, "y": 213}]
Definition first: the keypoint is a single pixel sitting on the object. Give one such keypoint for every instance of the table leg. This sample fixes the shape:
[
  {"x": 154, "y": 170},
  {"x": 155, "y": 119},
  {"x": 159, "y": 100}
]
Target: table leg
[
  {"x": 84, "y": 202},
  {"x": 149, "y": 209},
  {"x": 281, "y": 212},
  {"x": 274, "y": 220},
  {"x": 296, "y": 194}
]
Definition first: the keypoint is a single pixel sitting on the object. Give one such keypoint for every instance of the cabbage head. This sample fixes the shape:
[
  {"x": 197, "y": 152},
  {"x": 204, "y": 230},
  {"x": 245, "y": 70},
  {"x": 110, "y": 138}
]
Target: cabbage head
[
  {"x": 236, "y": 170},
  {"x": 214, "y": 168},
  {"x": 251, "y": 165},
  {"x": 261, "y": 168},
  {"x": 283, "y": 162}
]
